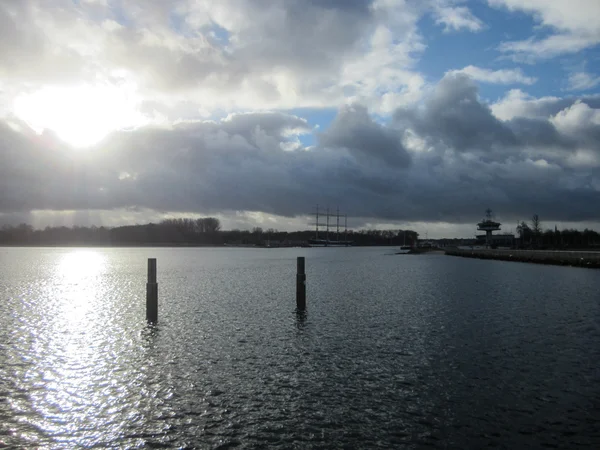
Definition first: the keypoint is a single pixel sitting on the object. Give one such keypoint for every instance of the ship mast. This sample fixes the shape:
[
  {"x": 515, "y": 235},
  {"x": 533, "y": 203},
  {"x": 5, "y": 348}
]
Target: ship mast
[
  {"x": 327, "y": 224},
  {"x": 346, "y": 228},
  {"x": 337, "y": 231},
  {"x": 327, "y": 235},
  {"x": 317, "y": 224}
]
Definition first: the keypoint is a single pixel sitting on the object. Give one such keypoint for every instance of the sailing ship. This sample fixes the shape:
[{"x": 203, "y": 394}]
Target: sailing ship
[
  {"x": 404, "y": 248},
  {"x": 327, "y": 242}
]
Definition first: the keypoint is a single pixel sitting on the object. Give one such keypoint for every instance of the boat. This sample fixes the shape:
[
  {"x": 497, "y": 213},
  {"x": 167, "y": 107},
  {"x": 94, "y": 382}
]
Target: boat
[
  {"x": 404, "y": 249},
  {"x": 317, "y": 242},
  {"x": 328, "y": 243}
]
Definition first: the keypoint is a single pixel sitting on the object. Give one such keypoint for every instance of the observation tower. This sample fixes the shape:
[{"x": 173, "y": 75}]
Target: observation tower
[{"x": 488, "y": 225}]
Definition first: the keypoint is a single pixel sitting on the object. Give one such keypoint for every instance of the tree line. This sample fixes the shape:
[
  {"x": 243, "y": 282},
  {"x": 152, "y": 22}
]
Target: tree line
[
  {"x": 532, "y": 235},
  {"x": 186, "y": 231},
  {"x": 207, "y": 231}
]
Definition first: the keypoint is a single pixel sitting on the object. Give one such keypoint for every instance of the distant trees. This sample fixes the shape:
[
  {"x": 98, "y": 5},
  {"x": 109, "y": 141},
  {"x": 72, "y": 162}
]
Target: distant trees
[
  {"x": 202, "y": 231},
  {"x": 536, "y": 227},
  {"x": 530, "y": 235},
  {"x": 524, "y": 233},
  {"x": 208, "y": 225},
  {"x": 188, "y": 231},
  {"x": 193, "y": 226},
  {"x": 383, "y": 237},
  {"x": 20, "y": 232},
  {"x": 207, "y": 231},
  {"x": 568, "y": 238}
]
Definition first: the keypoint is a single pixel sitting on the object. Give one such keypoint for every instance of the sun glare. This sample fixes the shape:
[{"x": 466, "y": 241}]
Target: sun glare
[
  {"x": 80, "y": 115},
  {"x": 80, "y": 264}
]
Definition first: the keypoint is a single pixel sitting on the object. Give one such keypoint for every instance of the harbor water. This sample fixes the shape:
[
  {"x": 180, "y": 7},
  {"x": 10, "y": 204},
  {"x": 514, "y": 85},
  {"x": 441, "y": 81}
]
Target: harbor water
[{"x": 394, "y": 351}]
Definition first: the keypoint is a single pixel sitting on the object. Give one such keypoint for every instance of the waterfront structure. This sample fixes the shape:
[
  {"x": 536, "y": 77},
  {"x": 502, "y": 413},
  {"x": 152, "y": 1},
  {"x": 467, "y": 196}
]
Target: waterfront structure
[
  {"x": 488, "y": 225},
  {"x": 496, "y": 240},
  {"x": 318, "y": 241}
]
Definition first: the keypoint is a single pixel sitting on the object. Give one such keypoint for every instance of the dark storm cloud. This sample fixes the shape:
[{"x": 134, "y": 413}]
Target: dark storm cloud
[
  {"x": 538, "y": 132},
  {"x": 454, "y": 116},
  {"x": 354, "y": 130},
  {"x": 466, "y": 161}
]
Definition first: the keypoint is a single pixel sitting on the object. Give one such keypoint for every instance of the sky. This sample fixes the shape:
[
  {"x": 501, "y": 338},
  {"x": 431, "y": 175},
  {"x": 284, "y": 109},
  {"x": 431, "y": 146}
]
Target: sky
[{"x": 401, "y": 113}]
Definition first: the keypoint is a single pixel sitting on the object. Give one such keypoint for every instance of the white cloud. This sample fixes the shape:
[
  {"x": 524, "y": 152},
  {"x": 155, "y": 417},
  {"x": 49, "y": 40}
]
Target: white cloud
[
  {"x": 552, "y": 46},
  {"x": 222, "y": 55},
  {"x": 577, "y": 117},
  {"x": 383, "y": 78},
  {"x": 502, "y": 76},
  {"x": 517, "y": 103},
  {"x": 563, "y": 15},
  {"x": 581, "y": 81},
  {"x": 574, "y": 23},
  {"x": 456, "y": 18}
]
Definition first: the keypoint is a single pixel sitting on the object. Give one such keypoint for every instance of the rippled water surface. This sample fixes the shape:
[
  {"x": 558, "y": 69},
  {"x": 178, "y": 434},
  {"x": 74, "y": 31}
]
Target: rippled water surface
[{"x": 393, "y": 351}]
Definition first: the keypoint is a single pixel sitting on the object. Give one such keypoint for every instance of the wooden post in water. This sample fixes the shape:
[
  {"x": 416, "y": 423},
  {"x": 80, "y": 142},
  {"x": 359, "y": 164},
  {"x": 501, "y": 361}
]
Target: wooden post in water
[
  {"x": 301, "y": 285},
  {"x": 152, "y": 292}
]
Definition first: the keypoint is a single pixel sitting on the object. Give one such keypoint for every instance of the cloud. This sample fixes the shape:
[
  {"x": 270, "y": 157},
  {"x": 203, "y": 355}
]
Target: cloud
[
  {"x": 456, "y": 18},
  {"x": 582, "y": 81},
  {"x": 517, "y": 103},
  {"x": 453, "y": 116},
  {"x": 580, "y": 122},
  {"x": 220, "y": 55},
  {"x": 444, "y": 160},
  {"x": 354, "y": 130},
  {"x": 399, "y": 149},
  {"x": 570, "y": 24},
  {"x": 549, "y": 47},
  {"x": 564, "y": 16},
  {"x": 502, "y": 76}
]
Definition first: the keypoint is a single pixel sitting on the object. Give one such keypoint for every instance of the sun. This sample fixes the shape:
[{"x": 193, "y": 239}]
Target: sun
[{"x": 80, "y": 115}]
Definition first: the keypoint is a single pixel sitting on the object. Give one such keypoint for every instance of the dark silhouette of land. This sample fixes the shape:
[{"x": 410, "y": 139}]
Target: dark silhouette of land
[
  {"x": 186, "y": 232},
  {"x": 533, "y": 237},
  {"x": 207, "y": 232}
]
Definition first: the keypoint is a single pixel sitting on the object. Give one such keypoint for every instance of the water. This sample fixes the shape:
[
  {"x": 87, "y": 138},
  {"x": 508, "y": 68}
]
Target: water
[{"x": 413, "y": 351}]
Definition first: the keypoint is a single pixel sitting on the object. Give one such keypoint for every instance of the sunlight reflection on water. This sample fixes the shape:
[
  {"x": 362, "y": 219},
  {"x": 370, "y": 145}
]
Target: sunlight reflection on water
[
  {"x": 70, "y": 349},
  {"x": 80, "y": 386},
  {"x": 392, "y": 351}
]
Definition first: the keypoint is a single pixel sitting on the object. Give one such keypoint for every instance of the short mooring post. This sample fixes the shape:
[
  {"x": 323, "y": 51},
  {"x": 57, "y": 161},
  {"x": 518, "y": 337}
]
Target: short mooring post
[
  {"x": 152, "y": 292},
  {"x": 301, "y": 285}
]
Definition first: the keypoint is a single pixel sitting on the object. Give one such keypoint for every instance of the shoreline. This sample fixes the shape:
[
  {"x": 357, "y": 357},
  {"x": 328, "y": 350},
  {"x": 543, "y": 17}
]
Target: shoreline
[
  {"x": 175, "y": 245},
  {"x": 550, "y": 257}
]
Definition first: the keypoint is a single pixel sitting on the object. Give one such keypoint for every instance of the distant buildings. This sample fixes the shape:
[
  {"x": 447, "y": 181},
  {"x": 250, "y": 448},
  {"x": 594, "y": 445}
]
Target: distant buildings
[
  {"x": 496, "y": 240},
  {"x": 490, "y": 240}
]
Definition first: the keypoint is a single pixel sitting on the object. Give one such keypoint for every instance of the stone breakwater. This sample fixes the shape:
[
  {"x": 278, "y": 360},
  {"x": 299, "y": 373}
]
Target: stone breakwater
[{"x": 555, "y": 257}]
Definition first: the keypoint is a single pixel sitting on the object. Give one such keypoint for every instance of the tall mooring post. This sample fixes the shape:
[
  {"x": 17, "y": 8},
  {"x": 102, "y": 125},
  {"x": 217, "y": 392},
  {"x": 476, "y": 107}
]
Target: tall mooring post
[
  {"x": 152, "y": 292},
  {"x": 301, "y": 285}
]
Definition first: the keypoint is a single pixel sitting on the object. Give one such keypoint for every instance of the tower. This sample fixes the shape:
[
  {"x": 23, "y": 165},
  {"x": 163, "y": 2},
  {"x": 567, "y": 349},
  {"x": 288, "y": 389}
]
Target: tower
[{"x": 488, "y": 225}]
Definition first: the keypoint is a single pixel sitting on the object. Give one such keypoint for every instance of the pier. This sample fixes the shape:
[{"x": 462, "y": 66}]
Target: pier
[{"x": 554, "y": 257}]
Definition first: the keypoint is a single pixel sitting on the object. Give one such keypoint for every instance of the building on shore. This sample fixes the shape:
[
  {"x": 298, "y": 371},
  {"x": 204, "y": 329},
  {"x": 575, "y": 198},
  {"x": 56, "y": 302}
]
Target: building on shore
[
  {"x": 490, "y": 240},
  {"x": 496, "y": 240}
]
